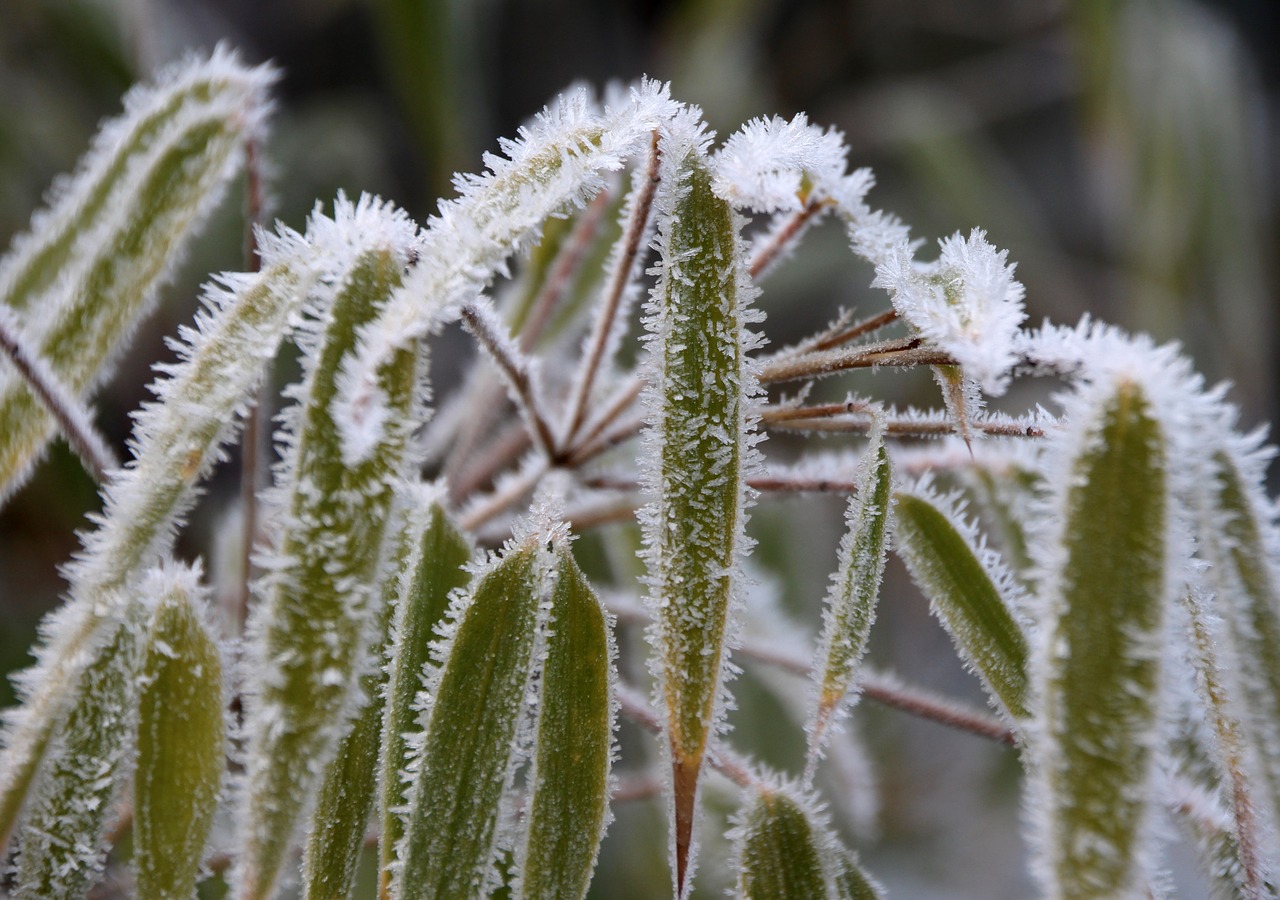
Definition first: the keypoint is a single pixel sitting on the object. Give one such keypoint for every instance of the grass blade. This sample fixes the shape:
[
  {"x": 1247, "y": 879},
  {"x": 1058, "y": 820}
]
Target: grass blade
[
  {"x": 699, "y": 448},
  {"x": 967, "y": 589},
  {"x": 313, "y": 635},
  {"x": 785, "y": 849},
  {"x": 568, "y": 808},
  {"x": 476, "y": 706},
  {"x": 92, "y": 264},
  {"x": 851, "y": 602},
  {"x": 435, "y": 569},
  {"x": 1099, "y": 664},
  {"x": 181, "y": 742}
]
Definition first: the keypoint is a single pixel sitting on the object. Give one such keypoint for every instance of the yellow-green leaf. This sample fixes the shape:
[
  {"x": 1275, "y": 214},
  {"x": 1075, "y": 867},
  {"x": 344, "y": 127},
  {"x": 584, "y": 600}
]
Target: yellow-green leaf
[
  {"x": 567, "y": 811},
  {"x": 181, "y": 752}
]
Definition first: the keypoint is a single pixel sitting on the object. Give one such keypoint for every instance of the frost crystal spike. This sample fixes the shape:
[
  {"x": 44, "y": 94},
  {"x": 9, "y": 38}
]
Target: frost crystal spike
[{"x": 1098, "y": 663}]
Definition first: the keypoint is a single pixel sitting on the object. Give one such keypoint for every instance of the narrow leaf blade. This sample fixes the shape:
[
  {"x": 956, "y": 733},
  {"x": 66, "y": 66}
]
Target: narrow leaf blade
[
  {"x": 568, "y": 809},
  {"x": 967, "y": 593},
  {"x": 1099, "y": 662},
  {"x": 316, "y": 628},
  {"x": 477, "y": 702},
  {"x": 92, "y": 264},
  {"x": 699, "y": 446},
  {"x": 851, "y": 602},
  {"x": 785, "y": 849},
  {"x": 435, "y": 569},
  {"x": 181, "y": 744}
]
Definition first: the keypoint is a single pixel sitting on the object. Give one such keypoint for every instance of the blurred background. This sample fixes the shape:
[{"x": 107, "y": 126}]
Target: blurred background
[{"x": 1123, "y": 151}]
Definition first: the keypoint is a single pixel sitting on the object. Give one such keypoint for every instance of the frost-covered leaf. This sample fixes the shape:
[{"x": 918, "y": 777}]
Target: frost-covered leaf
[
  {"x": 784, "y": 849},
  {"x": 697, "y": 449},
  {"x": 851, "y": 601},
  {"x": 555, "y": 163},
  {"x": 475, "y": 705},
  {"x": 967, "y": 302},
  {"x": 569, "y": 794},
  {"x": 180, "y": 749},
  {"x": 435, "y": 568},
  {"x": 1239, "y": 540},
  {"x": 61, "y": 840},
  {"x": 1106, "y": 585},
  {"x": 177, "y": 441},
  {"x": 969, "y": 591},
  {"x": 314, "y": 634},
  {"x": 92, "y": 263},
  {"x": 1230, "y": 764}
]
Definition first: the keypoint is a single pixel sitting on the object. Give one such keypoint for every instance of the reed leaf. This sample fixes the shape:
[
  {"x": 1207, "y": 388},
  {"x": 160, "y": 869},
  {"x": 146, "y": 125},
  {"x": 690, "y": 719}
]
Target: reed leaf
[
  {"x": 569, "y": 797},
  {"x": 181, "y": 751},
  {"x": 92, "y": 264}
]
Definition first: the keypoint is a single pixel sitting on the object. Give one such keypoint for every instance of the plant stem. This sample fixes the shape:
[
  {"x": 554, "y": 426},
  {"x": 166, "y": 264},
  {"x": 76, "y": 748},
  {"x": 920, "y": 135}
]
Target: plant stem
[{"x": 73, "y": 417}]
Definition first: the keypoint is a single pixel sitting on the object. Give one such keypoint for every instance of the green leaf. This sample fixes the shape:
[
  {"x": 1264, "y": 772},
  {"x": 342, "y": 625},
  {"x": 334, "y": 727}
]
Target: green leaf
[
  {"x": 694, "y": 527},
  {"x": 1100, "y": 667},
  {"x": 61, "y": 839},
  {"x": 967, "y": 591},
  {"x": 177, "y": 441},
  {"x": 316, "y": 629},
  {"x": 434, "y": 570},
  {"x": 567, "y": 811},
  {"x": 851, "y": 601},
  {"x": 92, "y": 264},
  {"x": 786, "y": 850},
  {"x": 181, "y": 752},
  {"x": 1242, "y": 551},
  {"x": 476, "y": 704}
]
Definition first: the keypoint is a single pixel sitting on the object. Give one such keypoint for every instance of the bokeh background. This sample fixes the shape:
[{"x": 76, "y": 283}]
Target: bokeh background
[{"x": 1123, "y": 151}]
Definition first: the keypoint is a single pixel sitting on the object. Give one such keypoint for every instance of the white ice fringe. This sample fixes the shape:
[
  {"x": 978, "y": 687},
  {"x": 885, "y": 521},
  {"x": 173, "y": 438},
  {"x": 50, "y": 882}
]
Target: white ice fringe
[
  {"x": 554, "y": 164},
  {"x": 967, "y": 302}
]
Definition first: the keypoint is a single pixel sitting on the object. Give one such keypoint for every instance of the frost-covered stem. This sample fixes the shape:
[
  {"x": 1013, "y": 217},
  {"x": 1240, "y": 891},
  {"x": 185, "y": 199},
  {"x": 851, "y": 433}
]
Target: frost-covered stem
[
  {"x": 889, "y": 690},
  {"x": 505, "y": 497},
  {"x": 771, "y": 414},
  {"x": 567, "y": 263},
  {"x": 903, "y": 352},
  {"x": 74, "y": 418},
  {"x": 516, "y": 368},
  {"x": 598, "y": 437},
  {"x": 853, "y": 332},
  {"x": 781, "y": 239},
  {"x": 1226, "y": 728},
  {"x": 500, "y": 453},
  {"x": 603, "y": 328},
  {"x": 632, "y": 705},
  {"x": 833, "y": 421}
]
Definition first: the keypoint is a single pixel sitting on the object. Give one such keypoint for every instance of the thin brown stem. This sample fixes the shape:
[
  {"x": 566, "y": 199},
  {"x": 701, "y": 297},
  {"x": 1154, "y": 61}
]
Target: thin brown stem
[
  {"x": 499, "y": 454},
  {"x": 506, "y": 496},
  {"x": 605, "y": 322},
  {"x": 782, "y": 239},
  {"x": 724, "y": 761},
  {"x": 516, "y": 369},
  {"x": 903, "y": 427},
  {"x": 567, "y": 263},
  {"x": 74, "y": 418},
  {"x": 901, "y": 352}
]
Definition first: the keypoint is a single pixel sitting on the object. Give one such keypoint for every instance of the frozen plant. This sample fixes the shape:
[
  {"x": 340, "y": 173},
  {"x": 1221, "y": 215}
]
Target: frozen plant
[{"x": 425, "y": 669}]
